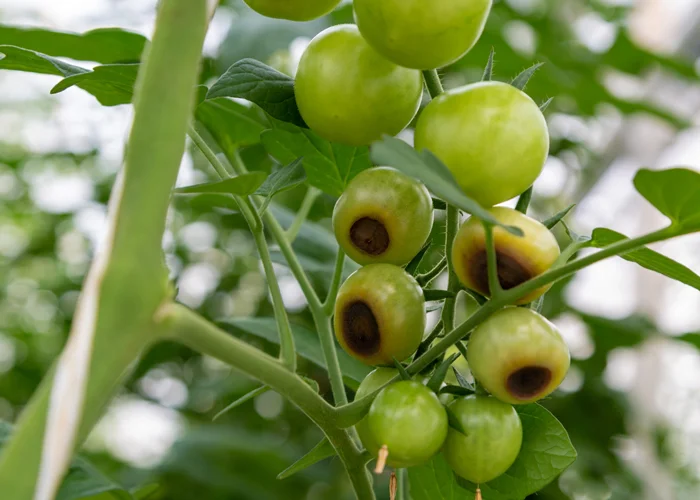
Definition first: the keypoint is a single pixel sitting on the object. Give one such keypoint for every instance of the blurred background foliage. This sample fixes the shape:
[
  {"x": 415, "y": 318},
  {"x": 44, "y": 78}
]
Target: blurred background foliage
[{"x": 616, "y": 95}]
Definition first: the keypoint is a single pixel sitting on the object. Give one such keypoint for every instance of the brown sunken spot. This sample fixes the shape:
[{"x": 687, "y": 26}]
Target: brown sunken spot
[
  {"x": 370, "y": 236},
  {"x": 511, "y": 272},
  {"x": 360, "y": 329},
  {"x": 528, "y": 382}
]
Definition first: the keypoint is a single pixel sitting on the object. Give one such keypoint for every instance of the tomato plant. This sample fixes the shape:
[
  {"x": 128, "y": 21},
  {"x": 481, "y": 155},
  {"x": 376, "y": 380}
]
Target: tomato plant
[{"x": 342, "y": 248}]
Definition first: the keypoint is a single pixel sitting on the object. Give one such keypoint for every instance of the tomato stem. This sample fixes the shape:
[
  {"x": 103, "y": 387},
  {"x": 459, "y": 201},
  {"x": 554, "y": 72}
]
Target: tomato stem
[
  {"x": 311, "y": 195},
  {"x": 495, "y": 288}
]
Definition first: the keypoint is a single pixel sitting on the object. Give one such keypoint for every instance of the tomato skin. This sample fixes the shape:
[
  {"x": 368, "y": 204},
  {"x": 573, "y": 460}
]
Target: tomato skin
[
  {"x": 518, "y": 355},
  {"x": 419, "y": 34},
  {"x": 371, "y": 383},
  {"x": 492, "y": 440},
  {"x": 492, "y": 137},
  {"x": 293, "y": 10},
  {"x": 348, "y": 93},
  {"x": 519, "y": 257},
  {"x": 400, "y": 205},
  {"x": 389, "y": 321},
  {"x": 409, "y": 419}
]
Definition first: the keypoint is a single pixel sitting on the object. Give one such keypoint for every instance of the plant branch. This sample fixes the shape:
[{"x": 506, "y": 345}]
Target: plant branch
[
  {"x": 425, "y": 279},
  {"x": 492, "y": 262},
  {"x": 451, "y": 228},
  {"x": 329, "y": 303},
  {"x": 194, "y": 331},
  {"x": 311, "y": 195},
  {"x": 433, "y": 83}
]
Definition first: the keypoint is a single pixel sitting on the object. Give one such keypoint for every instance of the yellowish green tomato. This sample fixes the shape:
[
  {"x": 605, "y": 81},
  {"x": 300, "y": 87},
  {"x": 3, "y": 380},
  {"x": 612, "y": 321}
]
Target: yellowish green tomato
[
  {"x": 294, "y": 10},
  {"x": 410, "y": 421},
  {"x": 380, "y": 314},
  {"x": 518, "y": 355},
  {"x": 348, "y": 93},
  {"x": 421, "y": 34},
  {"x": 491, "y": 440},
  {"x": 376, "y": 379},
  {"x": 519, "y": 258},
  {"x": 384, "y": 216},
  {"x": 492, "y": 137}
]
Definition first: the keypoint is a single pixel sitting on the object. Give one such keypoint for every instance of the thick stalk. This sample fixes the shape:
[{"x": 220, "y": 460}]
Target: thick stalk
[{"x": 187, "y": 327}]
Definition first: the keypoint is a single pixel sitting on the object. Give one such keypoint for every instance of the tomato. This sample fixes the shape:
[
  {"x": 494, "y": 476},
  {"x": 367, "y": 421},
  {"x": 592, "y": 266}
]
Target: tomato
[
  {"x": 371, "y": 383},
  {"x": 518, "y": 355},
  {"x": 346, "y": 92},
  {"x": 419, "y": 34},
  {"x": 491, "y": 136},
  {"x": 384, "y": 216},
  {"x": 410, "y": 421},
  {"x": 491, "y": 440},
  {"x": 294, "y": 10},
  {"x": 380, "y": 314},
  {"x": 519, "y": 258}
]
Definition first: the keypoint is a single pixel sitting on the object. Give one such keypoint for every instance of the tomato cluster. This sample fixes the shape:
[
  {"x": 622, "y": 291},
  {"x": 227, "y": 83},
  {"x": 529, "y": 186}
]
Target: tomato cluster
[{"x": 356, "y": 83}]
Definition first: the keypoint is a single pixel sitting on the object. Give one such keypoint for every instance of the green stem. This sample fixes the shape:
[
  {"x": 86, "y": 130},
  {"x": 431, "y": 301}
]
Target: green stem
[
  {"x": 433, "y": 83},
  {"x": 311, "y": 195},
  {"x": 491, "y": 262},
  {"x": 325, "y": 335},
  {"x": 329, "y": 303},
  {"x": 250, "y": 214},
  {"x": 402, "y": 478},
  {"x": 451, "y": 228},
  {"x": 194, "y": 331},
  {"x": 425, "y": 279}
]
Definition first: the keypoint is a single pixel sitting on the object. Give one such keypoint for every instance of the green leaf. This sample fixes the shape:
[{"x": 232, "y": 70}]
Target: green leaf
[
  {"x": 232, "y": 124},
  {"x": 402, "y": 370},
  {"x": 674, "y": 192},
  {"x": 647, "y": 258},
  {"x": 321, "y": 451},
  {"x": 554, "y": 220},
  {"x": 488, "y": 70},
  {"x": 307, "y": 344},
  {"x": 545, "y": 104},
  {"x": 111, "y": 84},
  {"x": 440, "y": 373},
  {"x": 281, "y": 180},
  {"x": 268, "y": 88},
  {"x": 431, "y": 294},
  {"x": 524, "y": 201},
  {"x": 412, "y": 267},
  {"x": 439, "y": 204},
  {"x": 329, "y": 166},
  {"x": 546, "y": 452},
  {"x": 520, "y": 81},
  {"x": 19, "y": 59},
  {"x": 453, "y": 421},
  {"x": 463, "y": 382},
  {"x": 104, "y": 45},
  {"x": 428, "y": 169},
  {"x": 242, "y": 185},
  {"x": 243, "y": 399},
  {"x": 456, "y": 390}
]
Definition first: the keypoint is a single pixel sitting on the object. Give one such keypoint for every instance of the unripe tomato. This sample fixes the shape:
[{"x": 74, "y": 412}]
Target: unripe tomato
[
  {"x": 491, "y": 440},
  {"x": 294, "y": 10},
  {"x": 420, "y": 34},
  {"x": 519, "y": 258},
  {"x": 371, "y": 383},
  {"x": 348, "y": 93},
  {"x": 384, "y": 216},
  {"x": 410, "y": 421},
  {"x": 518, "y": 355},
  {"x": 380, "y": 314},
  {"x": 491, "y": 136}
]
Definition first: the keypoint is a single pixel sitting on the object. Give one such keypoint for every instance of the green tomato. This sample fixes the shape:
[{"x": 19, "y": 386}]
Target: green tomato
[
  {"x": 376, "y": 379},
  {"x": 419, "y": 34},
  {"x": 410, "y": 421},
  {"x": 383, "y": 216},
  {"x": 348, "y": 93},
  {"x": 491, "y": 136},
  {"x": 519, "y": 258},
  {"x": 491, "y": 440},
  {"x": 380, "y": 314},
  {"x": 518, "y": 355},
  {"x": 294, "y": 10}
]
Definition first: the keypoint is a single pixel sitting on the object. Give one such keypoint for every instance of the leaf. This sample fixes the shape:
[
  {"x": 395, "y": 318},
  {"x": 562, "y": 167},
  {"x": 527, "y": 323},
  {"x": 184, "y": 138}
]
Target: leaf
[
  {"x": 321, "y": 451},
  {"x": 524, "y": 201},
  {"x": 453, "y": 421},
  {"x": 104, "y": 45},
  {"x": 554, "y": 219},
  {"x": 456, "y": 390},
  {"x": 428, "y": 169},
  {"x": 674, "y": 192},
  {"x": 440, "y": 373},
  {"x": 402, "y": 370},
  {"x": 545, "y": 104},
  {"x": 242, "y": 185},
  {"x": 431, "y": 294},
  {"x": 439, "y": 204},
  {"x": 307, "y": 344},
  {"x": 520, "y": 81},
  {"x": 329, "y": 166},
  {"x": 488, "y": 70},
  {"x": 281, "y": 180},
  {"x": 546, "y": 452},
  {"x": 243, "y": 399},
  {"x": 232, "y": 124},
  {"x": 111, "y": 84},
  {"x": 463, "y": 382},
  {"x": 412, "y": 267},
  {"x": 19, "y": 59},
  {"x": 647, "y": 258},
  {"x": 265, "y": 86}
]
